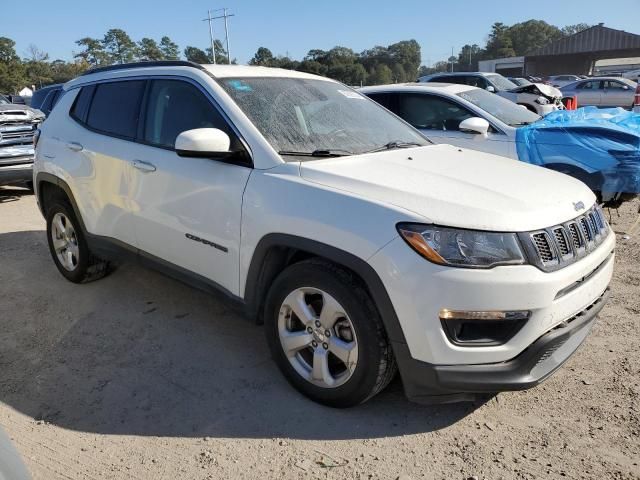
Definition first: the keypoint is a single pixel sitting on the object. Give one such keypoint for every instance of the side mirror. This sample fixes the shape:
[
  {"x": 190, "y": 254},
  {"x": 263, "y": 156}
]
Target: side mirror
[
  {"x": 475, "y": 125},
  {"x": 203, "y": 142},
  {"x": 625, "y": 87},
  {"x": 491, "y": 89}
]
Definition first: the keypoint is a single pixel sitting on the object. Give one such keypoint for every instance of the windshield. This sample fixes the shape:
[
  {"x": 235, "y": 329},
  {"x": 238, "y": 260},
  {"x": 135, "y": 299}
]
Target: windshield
[
  {"x": 501, "y": 108},
  {"x": 4, "y": 100},
  {"x": 501, "y": 83},
  {"x": 318, "y": 116},
  {"x": 521, "y": 82}
]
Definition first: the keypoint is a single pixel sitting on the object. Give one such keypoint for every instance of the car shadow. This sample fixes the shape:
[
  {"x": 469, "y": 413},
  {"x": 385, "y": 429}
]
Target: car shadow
[
  {"x": 137, "y": 353},
  {"x": 11, "y": 194}
]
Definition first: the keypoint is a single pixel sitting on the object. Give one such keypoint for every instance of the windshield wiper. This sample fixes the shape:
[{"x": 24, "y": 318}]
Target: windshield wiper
[
  {"x": 394, "y": 144},
  {"x": 330, "y": 152}
]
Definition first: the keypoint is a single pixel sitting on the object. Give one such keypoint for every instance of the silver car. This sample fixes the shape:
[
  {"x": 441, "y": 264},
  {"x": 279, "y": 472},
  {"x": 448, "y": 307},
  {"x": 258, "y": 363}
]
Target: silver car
[
  {"x": 602, "y": 92},
  {"x": 560, "y": 81}
]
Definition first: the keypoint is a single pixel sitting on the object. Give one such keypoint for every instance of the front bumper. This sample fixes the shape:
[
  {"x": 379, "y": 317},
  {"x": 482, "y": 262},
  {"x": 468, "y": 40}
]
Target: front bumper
[
  {"x": 16, "y": 174},
  {"x": 430, "y": 364},
  {"x": 425, "y": 383}
]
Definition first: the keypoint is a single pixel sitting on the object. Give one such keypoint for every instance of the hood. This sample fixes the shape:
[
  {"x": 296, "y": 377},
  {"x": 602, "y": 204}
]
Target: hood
[
  {"x": 14, "y": 112},
  {"x": 455, "y": 187},
  {"x": 547, "y": 91}
]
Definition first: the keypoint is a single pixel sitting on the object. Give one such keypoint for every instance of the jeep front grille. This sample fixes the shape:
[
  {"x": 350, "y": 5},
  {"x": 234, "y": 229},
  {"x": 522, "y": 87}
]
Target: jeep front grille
[
  {"x": 560, "y": 245},
  {"x": 543, "y": 246}
]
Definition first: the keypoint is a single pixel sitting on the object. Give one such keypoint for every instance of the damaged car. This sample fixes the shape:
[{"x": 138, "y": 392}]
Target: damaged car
[
  {"x": 536, "y": 97},
  {"x": 599, "y": 147},
  {"x": 18, "y": 125}
]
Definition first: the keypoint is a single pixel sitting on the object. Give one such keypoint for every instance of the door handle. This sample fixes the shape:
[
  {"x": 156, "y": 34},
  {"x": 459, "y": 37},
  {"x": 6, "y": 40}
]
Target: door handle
[
  {"x": 144, "y": 166},
  {"x": 74, "y": 146}
]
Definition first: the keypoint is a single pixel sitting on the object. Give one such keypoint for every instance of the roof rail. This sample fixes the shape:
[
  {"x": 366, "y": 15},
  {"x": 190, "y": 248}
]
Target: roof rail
[{"x": 158, "y": 63}]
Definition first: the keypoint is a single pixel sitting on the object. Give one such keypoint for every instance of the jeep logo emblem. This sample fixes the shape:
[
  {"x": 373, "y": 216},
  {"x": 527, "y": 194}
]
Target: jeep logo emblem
[{"x": 578, "y": 206}]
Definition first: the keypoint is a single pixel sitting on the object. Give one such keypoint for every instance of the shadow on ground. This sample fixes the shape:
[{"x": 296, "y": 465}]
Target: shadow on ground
[
  {"x": 140, "y": 354},
  {"x": 12, "y": 194}
]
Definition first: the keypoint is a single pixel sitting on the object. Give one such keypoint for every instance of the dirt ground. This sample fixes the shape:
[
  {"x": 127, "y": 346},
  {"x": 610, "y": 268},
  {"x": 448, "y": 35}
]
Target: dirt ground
[{"x": 137, "y": 376}]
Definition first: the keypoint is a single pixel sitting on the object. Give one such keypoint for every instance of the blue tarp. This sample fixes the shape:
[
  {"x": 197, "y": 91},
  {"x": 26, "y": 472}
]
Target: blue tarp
[{"x": 604, "y": 143}]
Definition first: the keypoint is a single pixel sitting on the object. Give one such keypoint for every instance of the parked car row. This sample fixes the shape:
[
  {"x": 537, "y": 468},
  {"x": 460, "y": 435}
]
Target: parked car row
[
  {"x": 45, "y": 98},
  {"x": 602, "y": 92},
  {"x": 18, "y": 124},
  {"x": 542, "y": 98},
  {"x": 364, "y": 248},
  {"x": 476, "y": 119},
  {"x": 537, "y": 97}
]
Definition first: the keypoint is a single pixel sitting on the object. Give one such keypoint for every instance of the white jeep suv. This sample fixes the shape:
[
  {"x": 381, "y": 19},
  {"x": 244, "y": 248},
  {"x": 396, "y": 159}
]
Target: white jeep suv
[{"x": 363, "y": 248}]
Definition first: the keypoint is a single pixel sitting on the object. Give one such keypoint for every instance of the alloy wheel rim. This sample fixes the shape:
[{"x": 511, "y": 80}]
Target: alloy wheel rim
[
  {"x": 65, "y": 242},
  {"x": 318, "y": 337}
]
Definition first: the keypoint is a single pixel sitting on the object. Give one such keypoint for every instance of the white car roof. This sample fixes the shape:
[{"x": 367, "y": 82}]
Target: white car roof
[
  {"x": 225, "y": 71},
  {"x": 167, "y": 68},
  {"x": 432, "y": 87},
  {"x": 462, "y": 74}
]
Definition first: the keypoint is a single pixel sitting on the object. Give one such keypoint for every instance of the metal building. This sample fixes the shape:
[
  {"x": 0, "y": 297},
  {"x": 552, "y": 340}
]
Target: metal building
[{"x": 578, "y": 53}]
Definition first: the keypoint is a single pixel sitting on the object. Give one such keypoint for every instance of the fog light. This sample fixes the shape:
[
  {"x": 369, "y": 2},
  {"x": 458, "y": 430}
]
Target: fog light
[{"x": 482, "y": 328}]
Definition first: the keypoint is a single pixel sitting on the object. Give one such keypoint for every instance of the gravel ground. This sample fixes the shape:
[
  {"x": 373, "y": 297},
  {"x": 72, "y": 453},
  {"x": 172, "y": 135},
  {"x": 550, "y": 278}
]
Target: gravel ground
[{"x": 137, "y": 376}]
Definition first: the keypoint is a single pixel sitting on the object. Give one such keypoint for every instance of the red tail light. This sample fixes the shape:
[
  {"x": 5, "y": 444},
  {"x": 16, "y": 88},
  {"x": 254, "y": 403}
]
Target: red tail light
[{"x": 636, "y": 101}]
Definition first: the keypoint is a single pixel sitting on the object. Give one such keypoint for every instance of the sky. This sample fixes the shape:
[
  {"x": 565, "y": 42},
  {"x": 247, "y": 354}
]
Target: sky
[{"x": 294, "y": 27}]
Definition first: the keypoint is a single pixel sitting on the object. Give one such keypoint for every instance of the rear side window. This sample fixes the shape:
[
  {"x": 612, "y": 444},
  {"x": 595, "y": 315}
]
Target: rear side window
[
  {"x": 613, "y": 85},
  {"x": 448, "y": 79},
  {"x": 115, "y": 108},
  {"x": 50, "y": 101},
  {"x": 80, "y": 106},
  {"x": 387, "y": 100},
  {"x": 175, "y": 106}
]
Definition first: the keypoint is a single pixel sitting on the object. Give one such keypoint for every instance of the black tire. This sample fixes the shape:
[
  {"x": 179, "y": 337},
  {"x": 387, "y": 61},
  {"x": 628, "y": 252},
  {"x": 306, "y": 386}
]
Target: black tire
[
  {"x": 89, "y": 267},
  {"x": 376, "y": 365}
]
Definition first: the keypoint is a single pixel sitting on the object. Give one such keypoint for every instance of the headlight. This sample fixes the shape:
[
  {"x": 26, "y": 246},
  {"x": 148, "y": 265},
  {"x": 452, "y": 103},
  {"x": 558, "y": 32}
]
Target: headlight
[
  {"x": 542, "y": 101},
  {"x": 462, "y": 248}
]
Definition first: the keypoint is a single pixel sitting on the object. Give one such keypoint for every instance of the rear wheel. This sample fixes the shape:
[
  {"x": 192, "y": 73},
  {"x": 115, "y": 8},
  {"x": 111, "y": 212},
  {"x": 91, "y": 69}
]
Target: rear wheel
[
  {"x": 69, "y": 248},
  {"x": 326, "y": 335}
]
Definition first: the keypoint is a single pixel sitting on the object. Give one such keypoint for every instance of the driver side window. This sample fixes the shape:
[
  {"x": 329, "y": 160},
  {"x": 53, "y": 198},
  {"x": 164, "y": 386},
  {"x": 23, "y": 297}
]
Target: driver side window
[
  {"x": 175, "y": 106},
  {"x": 589, "y": 86},
  {"x": 430, "y": 112}
]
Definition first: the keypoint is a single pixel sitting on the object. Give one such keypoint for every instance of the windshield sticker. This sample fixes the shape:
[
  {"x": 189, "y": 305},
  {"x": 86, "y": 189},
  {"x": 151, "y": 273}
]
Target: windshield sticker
[
  {"x": 350, "y": 94},
  {"x": 239, "y": 85}
]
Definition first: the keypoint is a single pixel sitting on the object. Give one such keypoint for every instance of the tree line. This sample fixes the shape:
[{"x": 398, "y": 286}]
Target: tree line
[
  {"x": 398, "y": 62},
  {"x": 116, "y": 46},
  {"x": 395, "y": 63},
  {"x": 504, "y": 41}
]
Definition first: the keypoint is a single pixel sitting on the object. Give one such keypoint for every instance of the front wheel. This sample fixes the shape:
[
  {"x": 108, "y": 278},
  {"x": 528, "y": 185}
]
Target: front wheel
[
  {"x": 326, "y": 335},
  {"x": 69, "y": 248}
]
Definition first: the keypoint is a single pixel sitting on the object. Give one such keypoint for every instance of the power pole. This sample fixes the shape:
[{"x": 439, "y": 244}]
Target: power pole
[
  {"x": 213, "y": 47},
  {"x": 226, "y": 15},
  {"x": 226, "y": 34}
]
